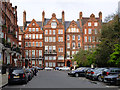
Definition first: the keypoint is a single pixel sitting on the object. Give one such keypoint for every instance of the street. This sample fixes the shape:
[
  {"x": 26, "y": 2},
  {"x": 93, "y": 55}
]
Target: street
[{"x": 59, "y": 79}]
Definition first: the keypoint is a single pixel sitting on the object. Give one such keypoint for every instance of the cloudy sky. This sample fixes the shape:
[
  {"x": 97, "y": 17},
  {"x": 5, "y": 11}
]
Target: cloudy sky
[{"x": 72, "y": 8}]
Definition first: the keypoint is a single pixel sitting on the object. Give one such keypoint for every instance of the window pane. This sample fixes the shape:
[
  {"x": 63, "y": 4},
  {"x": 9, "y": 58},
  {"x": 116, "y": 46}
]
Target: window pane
[
  {"x": 78, "y": 45},
  {"x": 89, "y": 31},
  {"x": 54, "y": 39},
  {"x": 37, "y": 44},
  {"x": 46, "y": 39},
  {"x": 40, "y": 44},
  {"x": 50, "y": 32},
  {"x": 46, "y": 31},
  {"x": 68, "y": 37},
  {"x": 36, "y": 36},
  {"x": 73, "y": 37},
  {"x": 29, "y": 29},
  {"x": 37, "y": 29},
  {"x": 33, "y": 29},
  {"x": 85, "y": 38},
  {"x": 40, "y": 36},
  {"x": 33, "y": 36},
  {"x": 50, "y": 39},
  {"x": 68, "y": 45},
  {"x": 85, "y": 31},
  {"x": 78, "y": 37},
  {"x": 53, "y": 32},
  {"x": 89, "y": 23}
]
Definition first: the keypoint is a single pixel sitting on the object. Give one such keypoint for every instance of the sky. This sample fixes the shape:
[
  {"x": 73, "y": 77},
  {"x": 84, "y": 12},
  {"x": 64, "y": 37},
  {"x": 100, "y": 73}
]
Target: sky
[{"x": 71, "y": 8}]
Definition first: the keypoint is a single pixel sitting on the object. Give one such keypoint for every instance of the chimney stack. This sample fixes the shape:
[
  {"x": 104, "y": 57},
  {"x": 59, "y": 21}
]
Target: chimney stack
[
  {"x": 15, "y": 15},
  {"x": 63, "y": 17},
  {"x": 24, "y": 18},
  {"x": 43, "y": 17},
  {"x": 100, "y": 15},
  {"x": 80, "y": 17}
]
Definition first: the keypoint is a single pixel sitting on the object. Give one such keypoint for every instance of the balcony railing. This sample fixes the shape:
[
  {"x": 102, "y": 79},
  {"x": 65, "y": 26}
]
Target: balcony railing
[
  {"x": 8, "y": 45},
  {"x": 5, "y": 43},
  {"x": 50, "y": 52},
  {"x": 17, "y": 49}
]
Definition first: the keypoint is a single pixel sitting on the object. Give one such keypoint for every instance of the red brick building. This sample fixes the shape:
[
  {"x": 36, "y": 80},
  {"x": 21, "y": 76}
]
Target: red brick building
[
  {"x": 32, "y": 42},
  {"x": 91, "y": 27},
  {"x": 73, "y": 40},
  {"x": 10, "y": 49},
  {"x": 60, "y": 39},
  {"x": 54, "y": 41}
]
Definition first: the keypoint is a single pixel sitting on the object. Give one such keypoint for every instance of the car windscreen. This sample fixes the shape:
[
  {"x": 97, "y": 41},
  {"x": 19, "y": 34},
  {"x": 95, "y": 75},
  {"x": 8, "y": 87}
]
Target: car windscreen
[
  {"x": 115, "y": 70},
  {"x": 17, "y": 71}
]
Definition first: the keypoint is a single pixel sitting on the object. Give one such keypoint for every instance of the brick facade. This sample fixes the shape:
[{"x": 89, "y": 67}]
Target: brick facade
[
  {"x": 10, "y": 50},
  {"x": 61, "y": 39}
]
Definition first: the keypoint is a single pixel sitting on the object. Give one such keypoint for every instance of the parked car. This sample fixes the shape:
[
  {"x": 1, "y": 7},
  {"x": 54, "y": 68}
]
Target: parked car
[
  {"x": 29, "y": 74},
  {"x": 112, "y": 75},
  {"x": 32, "y": 71},
  {"x": 57, "y": 68},
  {"x": 107, "y": 72},
  {"x": 32, "y": 74},
  {"x": 35, "y": 67},
  {"x": 89, "y": 72},
  {"x": 64, "y": 68},
  {"x": 96, "y": 74},
  {"x": 48, "y": 68},
  {"x": 17, "y": 75},
  {"x": 78, "y": 72},
  {"x": 38, "y": 68}
]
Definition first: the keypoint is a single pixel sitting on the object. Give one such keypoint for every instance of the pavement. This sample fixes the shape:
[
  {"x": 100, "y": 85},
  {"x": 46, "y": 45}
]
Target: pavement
[
  {"x": 3, "y": 80},
  {"x": 59, "y": 79}
]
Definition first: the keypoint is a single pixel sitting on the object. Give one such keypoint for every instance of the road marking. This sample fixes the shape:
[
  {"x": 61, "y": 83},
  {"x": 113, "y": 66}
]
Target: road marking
[{"x": 111, "y": 86}]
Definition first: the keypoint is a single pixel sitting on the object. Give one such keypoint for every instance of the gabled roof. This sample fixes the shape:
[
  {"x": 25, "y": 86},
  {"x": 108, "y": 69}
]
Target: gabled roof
[
  {"x": 85, "y": 19},
  {"x": 46, "y": 20},
  {"x": 67, "y": 24},
  {"x": 38, "y": 22}
]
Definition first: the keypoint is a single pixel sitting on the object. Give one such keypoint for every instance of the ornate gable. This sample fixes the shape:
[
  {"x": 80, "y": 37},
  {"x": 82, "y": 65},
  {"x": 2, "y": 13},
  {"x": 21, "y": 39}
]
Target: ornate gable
[
  {"x": 34, "y": 27},
  {"x": 53, "y": 22},
  {"x": 73, "y": 27}
]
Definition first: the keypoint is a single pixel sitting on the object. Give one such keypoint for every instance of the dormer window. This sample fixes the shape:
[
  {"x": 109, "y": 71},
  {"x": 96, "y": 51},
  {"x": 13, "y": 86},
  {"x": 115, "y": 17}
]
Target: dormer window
[
  {"x": 89, "y": 23},
  {"x": 53, "y": 20},
  {"x": 95, "y": 24},
  {"x": 33, "y": 24},
  {"x": 53, "y": 24}
]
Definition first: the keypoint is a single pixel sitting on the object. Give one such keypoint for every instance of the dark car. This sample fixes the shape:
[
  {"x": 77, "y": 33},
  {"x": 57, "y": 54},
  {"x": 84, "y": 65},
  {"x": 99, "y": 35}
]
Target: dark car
[
  {"x": 35, "y": 68},
  {"x": 112, "y": 76},
  {"x": 78, "y": 72},
  {"x": 28, "y": 71},
  {"x": 89, "y": 72},
  {"x": 32, "y": 72},
  {"x": 17, "y": 75},
  {"x": 96, "y": 74},
  {"x": 38, "y": 68},
  {"x": 56, "y": 68}
]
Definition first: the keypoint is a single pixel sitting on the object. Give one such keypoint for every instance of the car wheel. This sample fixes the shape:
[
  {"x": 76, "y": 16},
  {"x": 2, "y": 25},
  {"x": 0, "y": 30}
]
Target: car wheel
[
  {"x": 100, "y": 79},
  {"x": 9, "y": 83},
  {"x": 117, "y": 83},
  {"x": 25, "y": 82},
  {"x": 76, "y": 75}
]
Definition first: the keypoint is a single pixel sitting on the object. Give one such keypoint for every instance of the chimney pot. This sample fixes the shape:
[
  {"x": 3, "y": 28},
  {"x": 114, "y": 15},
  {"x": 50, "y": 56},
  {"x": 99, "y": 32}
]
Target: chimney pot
[{"x": 80, "y": 15}]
